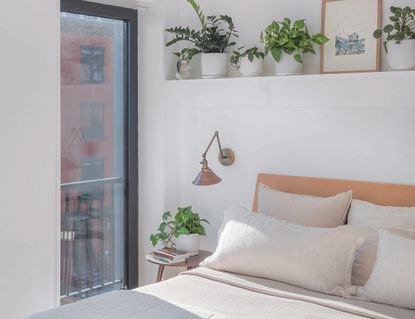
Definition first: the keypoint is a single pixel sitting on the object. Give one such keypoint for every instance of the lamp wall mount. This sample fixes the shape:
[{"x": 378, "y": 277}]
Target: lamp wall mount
[{"x": 226, "y": 155}]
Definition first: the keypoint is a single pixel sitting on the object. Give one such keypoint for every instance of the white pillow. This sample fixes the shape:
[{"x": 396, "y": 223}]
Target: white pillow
[
  {"x": 366, "y": 253},
  {"x": 392, "y": 280},
  {"x": 368, "y": 214},
  {"x": 326, "y": 212},
  {"x": 318, "y": 259},
  {"x": 398, "y": 220}
]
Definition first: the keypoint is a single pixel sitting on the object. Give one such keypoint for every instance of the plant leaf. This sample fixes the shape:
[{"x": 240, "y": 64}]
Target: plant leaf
[
  {"x": 388, "y": 28},
  {"x": 154, "y": 240},
  {"x": 183, "y": 231},
  {"x": 166, "y": 215},
  {"x": 276, "y": 54},
  {"x": 298, "y": 58},
  {"x": 377, "y": 34}
]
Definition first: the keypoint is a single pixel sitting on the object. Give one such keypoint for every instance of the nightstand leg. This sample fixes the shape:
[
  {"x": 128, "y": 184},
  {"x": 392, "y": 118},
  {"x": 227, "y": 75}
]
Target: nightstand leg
[{"x": 160, "y": 273}]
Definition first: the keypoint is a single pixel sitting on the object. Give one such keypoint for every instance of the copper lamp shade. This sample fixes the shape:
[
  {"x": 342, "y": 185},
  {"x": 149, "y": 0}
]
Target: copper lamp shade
[{"x": 206, "y": 176}]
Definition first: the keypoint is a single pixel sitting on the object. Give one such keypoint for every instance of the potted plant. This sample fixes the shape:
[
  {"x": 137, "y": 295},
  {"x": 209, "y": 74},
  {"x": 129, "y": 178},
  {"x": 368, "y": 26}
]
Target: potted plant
[
  {"x": 283, "y": 39},
  {"x": 248, "y": 62},
  {"x": 212, "y": 40},
  {"x": 183, "y": 64},
  {"x": 399, "y": 43},
  {"x": 182, "y": 231}
]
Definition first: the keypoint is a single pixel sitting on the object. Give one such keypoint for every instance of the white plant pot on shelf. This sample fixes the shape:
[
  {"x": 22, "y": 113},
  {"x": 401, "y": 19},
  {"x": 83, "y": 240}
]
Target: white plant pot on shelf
[
  {"x": 402, "y": 56},
  {"x": 250, "y": 69},
  {"x": 189, "y": 243},
  {"x": 288, "y": 66},
  {"x": 214, "y": 65}
]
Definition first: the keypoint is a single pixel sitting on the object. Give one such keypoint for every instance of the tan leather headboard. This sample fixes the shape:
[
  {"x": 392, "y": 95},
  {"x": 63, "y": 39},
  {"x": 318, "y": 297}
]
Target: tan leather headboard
[{"x": 377, "y": 193}]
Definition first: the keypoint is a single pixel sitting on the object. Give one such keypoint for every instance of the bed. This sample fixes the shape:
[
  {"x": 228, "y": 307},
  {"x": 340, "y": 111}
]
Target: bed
[{"x": 208, "y": 293}]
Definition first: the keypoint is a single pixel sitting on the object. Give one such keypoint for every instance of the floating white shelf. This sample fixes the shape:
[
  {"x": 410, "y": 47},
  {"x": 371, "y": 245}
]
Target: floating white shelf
[
  {"x": 341, "y": 90},
  {"x": 357, "y": 75}
]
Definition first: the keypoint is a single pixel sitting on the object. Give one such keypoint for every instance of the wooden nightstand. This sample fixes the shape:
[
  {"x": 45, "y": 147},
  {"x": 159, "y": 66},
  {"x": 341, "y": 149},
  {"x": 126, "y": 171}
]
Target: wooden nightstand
[{"x": 190, "y": 263}]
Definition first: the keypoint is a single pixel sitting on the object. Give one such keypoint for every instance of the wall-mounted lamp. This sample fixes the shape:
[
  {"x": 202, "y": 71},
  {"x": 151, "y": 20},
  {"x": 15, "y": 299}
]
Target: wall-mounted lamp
[{"x": 206, "y": 176}]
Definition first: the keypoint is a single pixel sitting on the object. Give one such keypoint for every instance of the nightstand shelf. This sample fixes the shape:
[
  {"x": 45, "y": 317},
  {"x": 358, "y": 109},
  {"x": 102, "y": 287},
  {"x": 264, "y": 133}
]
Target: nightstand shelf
[{"x": 190, "y": 263}]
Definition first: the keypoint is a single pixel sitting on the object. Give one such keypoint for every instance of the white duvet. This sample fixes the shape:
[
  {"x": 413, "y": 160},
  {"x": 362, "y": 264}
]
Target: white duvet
[{"x": 206, "y": 293}]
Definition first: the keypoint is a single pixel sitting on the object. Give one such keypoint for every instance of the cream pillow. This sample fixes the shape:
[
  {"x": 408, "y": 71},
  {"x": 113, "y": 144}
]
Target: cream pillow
[
  {"x": 366, "y": 253},
  {"x": 368, "y": 214},
  {"x": 392, "y": 280},
  {"x": 398, "y": 220},
  {"x": 326, "y": 212},
  {"x": 318, "y": 259}
]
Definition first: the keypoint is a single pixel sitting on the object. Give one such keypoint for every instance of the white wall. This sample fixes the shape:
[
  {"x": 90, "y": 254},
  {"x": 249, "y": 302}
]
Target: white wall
[
  {"x": 351, "y": 127},
  {"x": 29, "y": 143},
  {"x": 354, "y": 126}
]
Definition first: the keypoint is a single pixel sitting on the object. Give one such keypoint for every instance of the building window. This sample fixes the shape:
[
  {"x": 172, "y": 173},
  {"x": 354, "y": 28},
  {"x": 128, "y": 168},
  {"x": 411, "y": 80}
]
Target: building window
[
  {"x": 92, "y": 64},
  {"x": 92, "y": 121},
  {"x": 92, "y": 169}
]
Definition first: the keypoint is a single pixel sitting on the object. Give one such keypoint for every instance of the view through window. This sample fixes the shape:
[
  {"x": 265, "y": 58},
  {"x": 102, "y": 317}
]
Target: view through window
[{"x": 94, "y": 205}]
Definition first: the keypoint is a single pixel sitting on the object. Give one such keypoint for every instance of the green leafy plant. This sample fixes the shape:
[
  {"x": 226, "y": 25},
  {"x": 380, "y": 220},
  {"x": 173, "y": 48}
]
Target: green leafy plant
[
  {"x": 214, "y": 37},
  {"x": 401, "y": 28},
  {"x": 186, "y": 54},
  {"x": 290, "y": 38},
  {"x": 184, "y": 222},
  {"x": 251, "y": 54}
]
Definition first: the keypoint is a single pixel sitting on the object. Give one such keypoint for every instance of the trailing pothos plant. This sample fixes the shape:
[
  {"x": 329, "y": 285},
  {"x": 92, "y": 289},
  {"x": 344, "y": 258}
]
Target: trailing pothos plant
[
  {"x": 184, "y": 222},
  {"x": 401, "y": 28},
  {"x": 251, "y": 54},
  {"x": 217, "y": 33},
  {"x": 291, "y": 39}
]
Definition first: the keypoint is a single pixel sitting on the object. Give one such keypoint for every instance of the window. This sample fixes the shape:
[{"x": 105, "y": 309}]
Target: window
[
  {"x": 92, "y": 64},
  {"x": 92, "y": 121},
  {"x": 99, "y": 197}
]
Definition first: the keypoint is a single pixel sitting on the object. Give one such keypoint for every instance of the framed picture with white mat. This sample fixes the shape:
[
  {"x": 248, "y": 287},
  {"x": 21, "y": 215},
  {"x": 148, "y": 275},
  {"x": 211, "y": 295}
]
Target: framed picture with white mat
[{"x": 349, "y": 24}]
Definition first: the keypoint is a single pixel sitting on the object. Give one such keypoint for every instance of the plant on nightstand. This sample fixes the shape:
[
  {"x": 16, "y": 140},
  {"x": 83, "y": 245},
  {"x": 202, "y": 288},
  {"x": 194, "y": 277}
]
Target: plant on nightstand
[
  {"x": 212, "y": 40},
  {"x": 399, "y": 43},
  {"x": 283, "y": 39},
  {"x": 181, "y": 231},
  {"x": 249, "y": 62}
]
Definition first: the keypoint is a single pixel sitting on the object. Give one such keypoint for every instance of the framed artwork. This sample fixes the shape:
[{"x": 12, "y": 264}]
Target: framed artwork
[{"x": 349, "y": 24}]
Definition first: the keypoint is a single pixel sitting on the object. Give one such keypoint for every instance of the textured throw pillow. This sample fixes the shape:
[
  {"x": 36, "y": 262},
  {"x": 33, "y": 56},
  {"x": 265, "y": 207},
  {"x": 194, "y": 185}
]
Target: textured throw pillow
[
  {"x": 368, "y": 214},
  {"x": 366, "y": 253},
  {"x": 398, "y": 220},
  {"x": 392, "y": 280},
  {"x": 326, "y": 212},
  {"x": 318, "y": 259}
]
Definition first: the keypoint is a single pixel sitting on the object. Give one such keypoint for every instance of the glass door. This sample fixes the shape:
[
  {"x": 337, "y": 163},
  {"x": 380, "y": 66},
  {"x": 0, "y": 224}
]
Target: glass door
[{"x": 98, "y": 149}]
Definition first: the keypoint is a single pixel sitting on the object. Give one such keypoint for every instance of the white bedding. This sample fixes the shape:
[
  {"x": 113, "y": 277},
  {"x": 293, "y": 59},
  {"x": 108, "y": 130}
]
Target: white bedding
[{"x": 206, "y": 293}]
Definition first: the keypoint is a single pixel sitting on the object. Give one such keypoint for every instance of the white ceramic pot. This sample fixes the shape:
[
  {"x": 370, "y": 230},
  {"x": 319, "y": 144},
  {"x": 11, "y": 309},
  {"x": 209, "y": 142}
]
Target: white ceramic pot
[
  {"x": 189, "y": 243},
  {"x": 402, "y": 56},
  {"x": 288, "y": 66},
  {"x": 249, "y": 68},
  {"x": 214, "y": 65}
]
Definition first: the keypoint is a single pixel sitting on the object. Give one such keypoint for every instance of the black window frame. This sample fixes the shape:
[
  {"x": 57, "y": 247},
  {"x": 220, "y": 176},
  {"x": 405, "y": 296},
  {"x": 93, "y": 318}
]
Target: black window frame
[{"x": 130, "y": 16}]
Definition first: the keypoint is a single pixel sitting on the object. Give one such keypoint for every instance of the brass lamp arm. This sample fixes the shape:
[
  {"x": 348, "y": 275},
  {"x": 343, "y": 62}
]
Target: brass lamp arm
[{"x": 216, "y": 135}]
